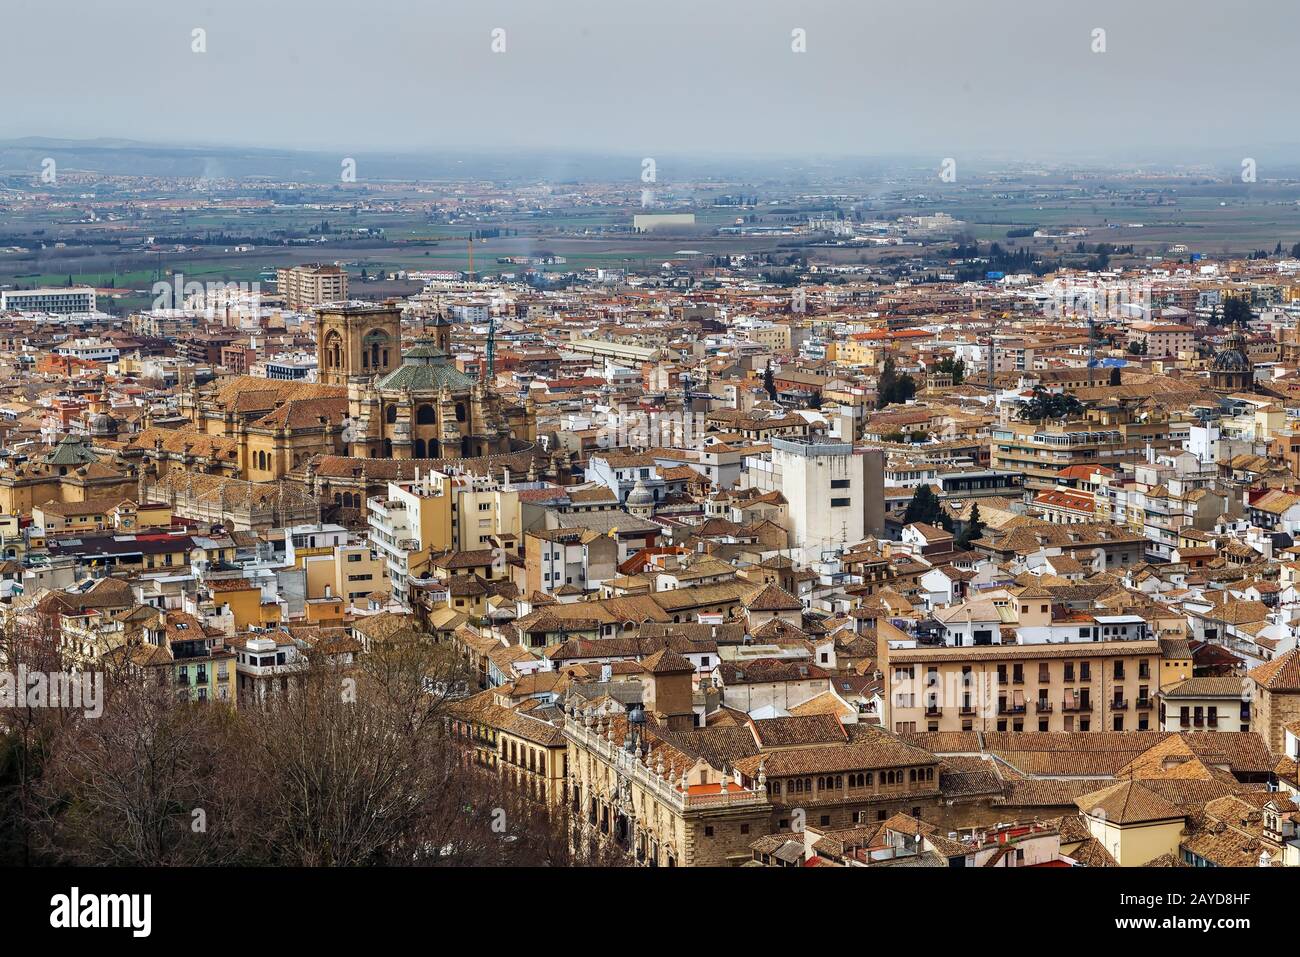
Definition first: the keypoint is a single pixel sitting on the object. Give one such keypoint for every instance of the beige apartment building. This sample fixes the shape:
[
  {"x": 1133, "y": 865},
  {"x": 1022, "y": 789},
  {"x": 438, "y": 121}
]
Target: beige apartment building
[
  {"x": 311, "y": 284},
  {"x": 1163, "y": 339},
  {"x": 1206, "y": 704},
  {"x": 350, "y": 572},
  {"x": 1041, "y": 449},
  {"x": 1074, "y": 686}
]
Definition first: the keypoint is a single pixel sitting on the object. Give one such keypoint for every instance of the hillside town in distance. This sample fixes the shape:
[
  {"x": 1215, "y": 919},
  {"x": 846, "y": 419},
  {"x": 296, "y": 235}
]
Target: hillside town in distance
[{"x": 955, "y": 553}]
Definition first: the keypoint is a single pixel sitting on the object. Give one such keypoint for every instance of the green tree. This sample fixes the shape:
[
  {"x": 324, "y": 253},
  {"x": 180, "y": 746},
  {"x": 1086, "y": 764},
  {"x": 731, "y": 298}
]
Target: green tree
[
  {"x": 769, "y": 381},
  {"x": 924, "y": 507},
  {"x": 1050, "y": 405},
  {"x": 891, "y": 387},
  {"x": 974, "y": 527},
  {"x": 1235, "y": 309},
  {"x": 957, "y": 368}
]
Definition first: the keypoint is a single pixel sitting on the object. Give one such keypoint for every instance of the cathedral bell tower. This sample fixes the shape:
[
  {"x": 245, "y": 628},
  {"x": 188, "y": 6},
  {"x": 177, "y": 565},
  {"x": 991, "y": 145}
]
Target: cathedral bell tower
[
  {"x": 440, "y": 332},
  {"x": 356, "y": 341}
]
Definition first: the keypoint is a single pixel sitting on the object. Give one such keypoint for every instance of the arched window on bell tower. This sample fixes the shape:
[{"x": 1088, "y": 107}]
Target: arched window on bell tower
[{"x": 375, "y": 348}]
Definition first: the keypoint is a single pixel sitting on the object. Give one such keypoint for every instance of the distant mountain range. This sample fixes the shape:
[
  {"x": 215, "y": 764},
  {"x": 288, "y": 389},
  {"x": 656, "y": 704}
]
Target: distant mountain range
[
  {"x": 130, "y": 157},
  {"x": 113, "y": 156}
]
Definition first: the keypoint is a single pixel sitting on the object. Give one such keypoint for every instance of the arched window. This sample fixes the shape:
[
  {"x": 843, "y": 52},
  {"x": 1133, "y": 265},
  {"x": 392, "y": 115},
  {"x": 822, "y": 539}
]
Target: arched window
[
  {"x": 425, "y": 415},
  {"x": 419, "y": 448},
  {"x": 460, "y": 411},
  {"x": 390, "y": 414},
  {"x": 374, "y": 349},
  {"x": 333, "y": 351}
]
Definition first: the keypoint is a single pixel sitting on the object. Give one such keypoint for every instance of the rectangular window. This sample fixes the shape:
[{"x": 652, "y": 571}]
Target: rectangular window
[{"x": 839, "y": 503}]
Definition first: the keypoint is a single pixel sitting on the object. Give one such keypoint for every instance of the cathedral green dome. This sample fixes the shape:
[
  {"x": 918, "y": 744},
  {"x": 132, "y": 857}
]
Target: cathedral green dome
[{"x": 425, "y": 368}]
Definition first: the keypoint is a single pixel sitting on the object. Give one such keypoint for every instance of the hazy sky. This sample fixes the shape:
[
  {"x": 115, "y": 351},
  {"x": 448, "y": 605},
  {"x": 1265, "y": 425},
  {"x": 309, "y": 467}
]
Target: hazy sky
[{"x": 908, "y": 76}]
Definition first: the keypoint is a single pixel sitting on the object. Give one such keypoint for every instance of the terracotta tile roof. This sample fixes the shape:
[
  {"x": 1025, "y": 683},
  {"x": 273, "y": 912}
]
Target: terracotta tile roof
[
  {"x": 1047, "y": 792},
  {"x": 799, "y": 730},
  {"x": 1128, "y": 802},
  {"x": 667, "y": 662},
  {"x": 774, "y": 598},
  {"x": 1280, "y": 674},
  {"x": 1091, "y": 853},
  {"x": 1228, "y": 687},
  {"x": 872, "y": 748}
]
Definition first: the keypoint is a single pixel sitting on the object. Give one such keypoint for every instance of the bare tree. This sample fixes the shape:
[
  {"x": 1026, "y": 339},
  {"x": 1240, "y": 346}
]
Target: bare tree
[
  {"x": 354, "y": 765},
  {"x": 152, "y": 781},
  {"x": 27, "y": 732}
]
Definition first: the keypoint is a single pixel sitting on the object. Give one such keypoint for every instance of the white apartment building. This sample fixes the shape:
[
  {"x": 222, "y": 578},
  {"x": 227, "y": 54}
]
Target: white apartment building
[
  {"x": 59, "y": 301},
  {"x": 90, "y": 350},
  {"x": 436, "y": 512},
  {"x": 286, "y": 368},
  {"x": 400, "y": 527},
  {"x": 834, "y": 492}
]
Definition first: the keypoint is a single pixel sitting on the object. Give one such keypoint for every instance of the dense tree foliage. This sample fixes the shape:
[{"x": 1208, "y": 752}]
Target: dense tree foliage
[
  {"x": 1050, "y": 405},
  {"x": 892, "y": 388}
]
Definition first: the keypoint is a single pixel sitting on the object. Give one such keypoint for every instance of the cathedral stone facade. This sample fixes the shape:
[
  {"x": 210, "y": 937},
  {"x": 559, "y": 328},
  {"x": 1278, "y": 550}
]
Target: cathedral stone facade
[
  {"x": 416, "y": 405},
  {"x": 371, "y": 402}
]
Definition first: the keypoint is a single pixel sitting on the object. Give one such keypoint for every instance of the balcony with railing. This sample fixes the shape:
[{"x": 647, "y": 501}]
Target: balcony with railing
[
  {"x": 1119, "y": 704},
  {"x": 726, "y": 794}
]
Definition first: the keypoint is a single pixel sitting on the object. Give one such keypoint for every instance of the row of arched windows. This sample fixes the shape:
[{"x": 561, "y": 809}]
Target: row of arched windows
[
  {"x": 425, "y": 414},
  {"x": 862, "y": 779}
]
